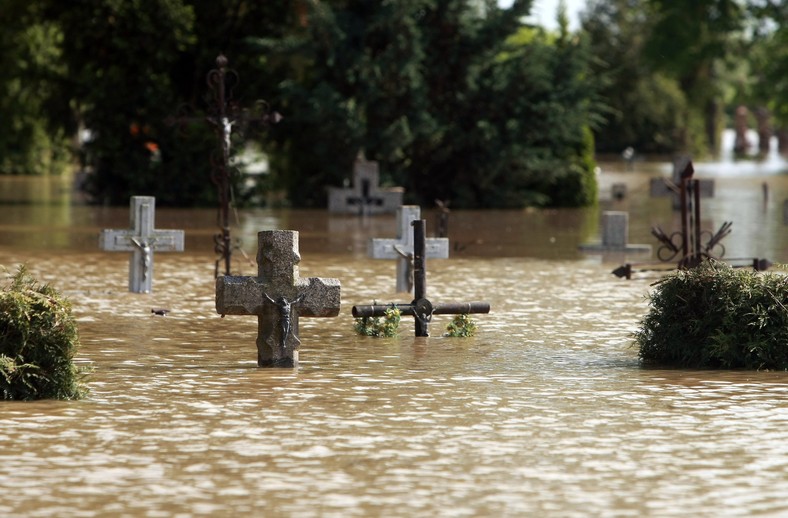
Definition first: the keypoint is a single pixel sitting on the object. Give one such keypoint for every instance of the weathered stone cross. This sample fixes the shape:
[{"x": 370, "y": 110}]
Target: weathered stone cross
[
  {"x": 278, "y": 296},
  {"x": 401, "y": 248},
  {"x": 141, "y": 240},
  {"x": 421, "y": 308}
]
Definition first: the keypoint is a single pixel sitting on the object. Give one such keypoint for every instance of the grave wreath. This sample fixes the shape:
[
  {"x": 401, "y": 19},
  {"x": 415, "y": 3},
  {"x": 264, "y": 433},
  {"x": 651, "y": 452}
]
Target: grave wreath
[
  {"x": 38, "y": 341},
  {"x": 717, "y": 316}
]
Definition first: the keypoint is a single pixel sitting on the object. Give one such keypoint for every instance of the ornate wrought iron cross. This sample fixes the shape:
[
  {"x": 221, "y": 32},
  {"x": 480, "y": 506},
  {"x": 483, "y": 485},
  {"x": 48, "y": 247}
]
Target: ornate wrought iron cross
[{"x": 223, "y": 113}]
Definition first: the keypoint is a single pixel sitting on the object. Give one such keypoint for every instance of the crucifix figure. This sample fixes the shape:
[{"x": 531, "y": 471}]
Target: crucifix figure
[
  {"x": 402, "y": 247},
  {"x": 278, "y": 296},
  {"x": 142, "y": 239},
  {"x": 421, "y": 308},
  {"x": 285, "y": 316}
]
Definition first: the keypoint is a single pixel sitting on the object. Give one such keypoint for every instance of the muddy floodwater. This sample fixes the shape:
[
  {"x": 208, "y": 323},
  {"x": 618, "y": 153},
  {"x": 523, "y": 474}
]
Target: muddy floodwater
[{"x": 545, "y": 412}]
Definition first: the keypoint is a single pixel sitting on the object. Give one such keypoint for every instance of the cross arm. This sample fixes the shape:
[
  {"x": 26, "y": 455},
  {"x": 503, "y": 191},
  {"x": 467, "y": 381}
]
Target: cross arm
[
  {"x": 236, "y": 295},
  {"x": 449, "y": 308},
  {"x": 122, "y": 240},
  {"x": 381, "y": 248},
  {"x": 320, "y": 297}
]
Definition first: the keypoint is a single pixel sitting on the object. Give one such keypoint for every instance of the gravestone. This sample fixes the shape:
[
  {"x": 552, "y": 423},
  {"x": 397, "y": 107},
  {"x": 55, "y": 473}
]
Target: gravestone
[
  {"x": 615, "y": 233},
  {"x": 142, "y": 239},
  {"x": 278, "y": 296},
  {"x": 421, "y": 308},
  {"x": 401, "y": 248},
  {"x": 365, "y": 196}
]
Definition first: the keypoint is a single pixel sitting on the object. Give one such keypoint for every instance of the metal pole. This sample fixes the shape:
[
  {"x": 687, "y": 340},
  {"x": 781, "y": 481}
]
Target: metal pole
[{"x": 420, "y": 274}]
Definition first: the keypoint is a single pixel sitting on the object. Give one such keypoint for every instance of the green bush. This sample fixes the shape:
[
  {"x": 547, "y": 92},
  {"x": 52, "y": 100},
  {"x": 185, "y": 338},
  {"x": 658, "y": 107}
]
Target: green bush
[
  {"x": 461, "y": 326},
  {"x": 38, "y": 340},
  {"x": 374, "y": 326},
  {"x": 715, "y": 316}
]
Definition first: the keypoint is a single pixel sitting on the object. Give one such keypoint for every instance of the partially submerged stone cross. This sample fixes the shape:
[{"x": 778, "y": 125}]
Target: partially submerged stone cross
[
  {"x": 141, "y": 240},
  {"x": 402, "y": 248},
  {"x": 365, "y": 196},
  {"x": 278, "y": 296}
]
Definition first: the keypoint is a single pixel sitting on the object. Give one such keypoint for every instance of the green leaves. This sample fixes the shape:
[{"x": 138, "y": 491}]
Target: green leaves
[
  {"x": 376, "y": 326},
  {"x": 715, "y": 316},
  {"x": 38, "y": 341}
]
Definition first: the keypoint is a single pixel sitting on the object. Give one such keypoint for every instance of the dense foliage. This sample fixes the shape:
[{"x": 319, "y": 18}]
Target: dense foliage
[
  {"x": 715, "y": 316},
  {"x": 440, "y": 92},
  {"x": 457, "y": 100},
  {"x": 387, "y": 325},
  {"x": 38, "y": 341},
  {"x": 677, "y": 70}
]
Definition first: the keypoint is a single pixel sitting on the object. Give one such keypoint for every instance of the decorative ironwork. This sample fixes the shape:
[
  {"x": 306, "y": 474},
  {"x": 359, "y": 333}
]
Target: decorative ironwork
[
  {"x": 223, "y": 114},
  {"x": 690, "y": 244}
]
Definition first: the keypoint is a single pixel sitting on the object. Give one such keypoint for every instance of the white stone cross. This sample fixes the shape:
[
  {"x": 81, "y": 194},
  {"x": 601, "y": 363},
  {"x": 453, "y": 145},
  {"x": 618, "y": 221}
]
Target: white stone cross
[
  {"x": 278, "y": 296},
  {"x": 141, "y": 240},
  {"x": 401, "y": 248}
]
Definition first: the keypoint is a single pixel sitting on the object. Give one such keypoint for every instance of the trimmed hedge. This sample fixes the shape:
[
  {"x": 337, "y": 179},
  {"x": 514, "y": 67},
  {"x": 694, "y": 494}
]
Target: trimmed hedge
[
  {"x": 715, "y": 316},
  {"x": 38, "y": 341}
]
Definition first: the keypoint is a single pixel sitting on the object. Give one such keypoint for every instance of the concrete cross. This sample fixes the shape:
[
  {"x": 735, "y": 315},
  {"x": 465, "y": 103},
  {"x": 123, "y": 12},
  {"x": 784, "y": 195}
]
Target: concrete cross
[
  {"x": 365, "y": 196},
  {"x": 278, "y": 296},
  {"x": 421, "y": 308},
  {"x": 141, "y": 240},
  {"x": 401, "y": 248}
]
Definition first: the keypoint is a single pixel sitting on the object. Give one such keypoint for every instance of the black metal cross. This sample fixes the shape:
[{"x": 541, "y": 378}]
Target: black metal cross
[
  {"x": 421, "y": 308},
  {"x": 223, "y": 114}
]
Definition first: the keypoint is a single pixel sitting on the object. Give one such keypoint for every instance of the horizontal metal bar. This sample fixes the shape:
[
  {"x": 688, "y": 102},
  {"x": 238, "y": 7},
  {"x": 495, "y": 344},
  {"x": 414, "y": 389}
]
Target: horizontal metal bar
[{"x": 449, "y": 308}]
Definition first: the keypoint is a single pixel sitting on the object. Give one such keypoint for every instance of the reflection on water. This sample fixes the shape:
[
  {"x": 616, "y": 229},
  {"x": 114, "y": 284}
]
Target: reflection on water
[{"x": 545, "y": 412}]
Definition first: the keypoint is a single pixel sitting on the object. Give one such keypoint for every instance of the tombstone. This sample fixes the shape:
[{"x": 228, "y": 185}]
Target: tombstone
[
  {"x": 661, "y": 187},
  {"x": 401, "y": 248},
  {"x": 278, "y": 296},
  {"x": 421, "y": 308},
  {"x": 615, "y": 234},
  {"x": 142, "y": 239},
  {"x": 366, "y": 196}
]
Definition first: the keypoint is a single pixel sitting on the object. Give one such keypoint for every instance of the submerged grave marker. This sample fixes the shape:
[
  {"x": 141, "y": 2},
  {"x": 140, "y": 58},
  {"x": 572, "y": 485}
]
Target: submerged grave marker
[
  {"x": 615, "y": 234},
  {"x": 402, "y": 248},
  {"x": 365, "y": 196},
  {"x": 421, "y": 308},
  {"x": 142, "y": 239},
  {"x": 278, "y": 296}
]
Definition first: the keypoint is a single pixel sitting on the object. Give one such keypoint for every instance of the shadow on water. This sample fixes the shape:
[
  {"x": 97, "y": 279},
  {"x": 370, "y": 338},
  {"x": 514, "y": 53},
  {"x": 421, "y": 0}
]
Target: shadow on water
[{"x": 545, "y": 412}]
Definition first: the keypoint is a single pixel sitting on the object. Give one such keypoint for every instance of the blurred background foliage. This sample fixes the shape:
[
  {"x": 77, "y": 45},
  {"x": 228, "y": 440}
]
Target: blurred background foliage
[{"x": 457, "y": 100}]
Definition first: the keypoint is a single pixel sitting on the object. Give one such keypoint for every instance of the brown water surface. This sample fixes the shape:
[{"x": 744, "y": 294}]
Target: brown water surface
[{"x": 546, "y": 412}]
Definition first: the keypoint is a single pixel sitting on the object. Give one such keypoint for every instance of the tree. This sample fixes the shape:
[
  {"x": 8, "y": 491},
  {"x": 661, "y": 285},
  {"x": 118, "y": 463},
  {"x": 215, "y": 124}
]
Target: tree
[
  {"x": 690, "y": 40},
  {"x": 30, "y": 60},
  {"x": 645, "y": 108},
  {"x": 436, "y": 92}
]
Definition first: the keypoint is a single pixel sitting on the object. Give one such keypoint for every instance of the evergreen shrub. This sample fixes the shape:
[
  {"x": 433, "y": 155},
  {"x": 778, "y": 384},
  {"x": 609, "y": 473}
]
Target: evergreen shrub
[
  {"x": 715, "y": 316},
  {"x": 38, "y": 341}
]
